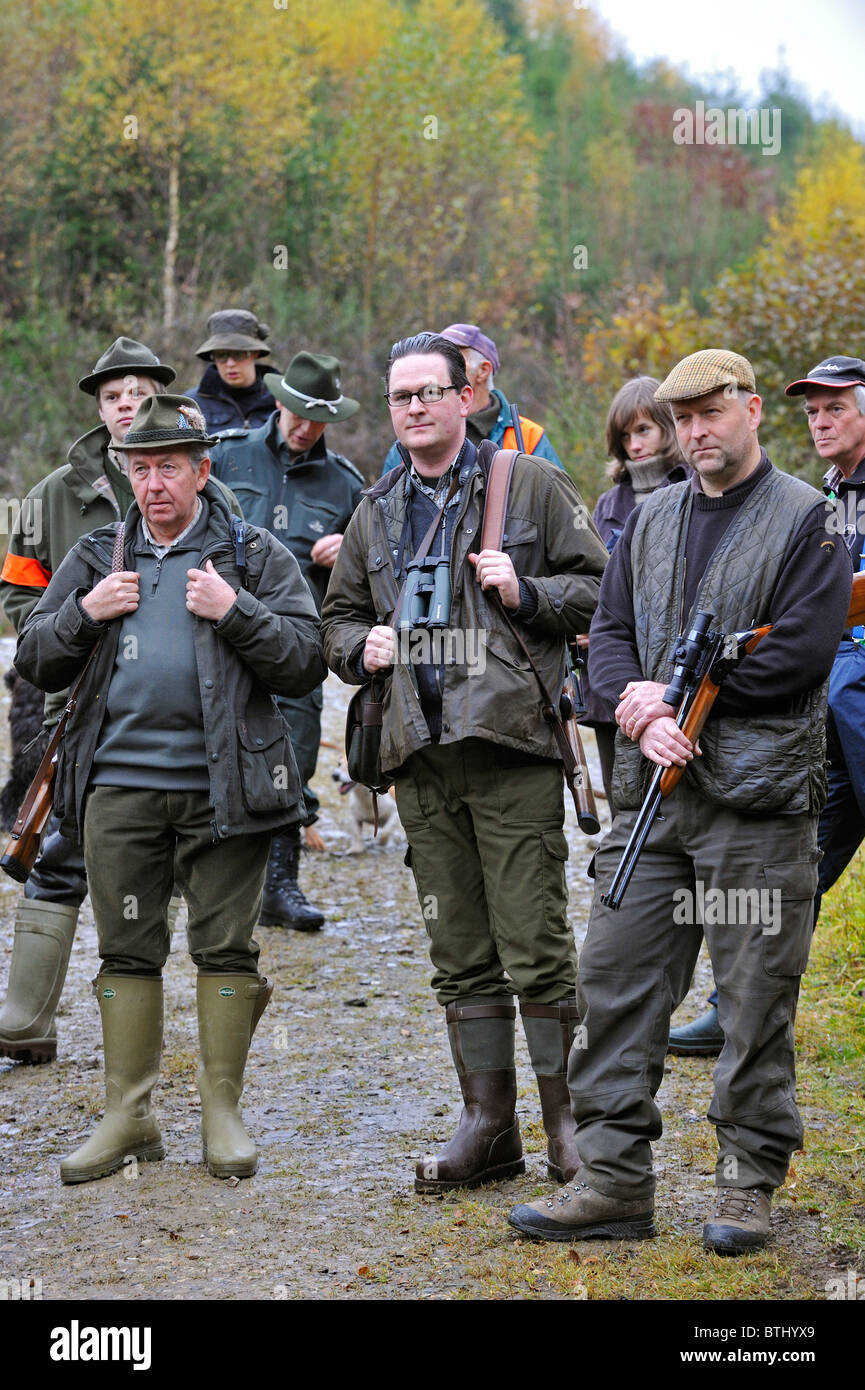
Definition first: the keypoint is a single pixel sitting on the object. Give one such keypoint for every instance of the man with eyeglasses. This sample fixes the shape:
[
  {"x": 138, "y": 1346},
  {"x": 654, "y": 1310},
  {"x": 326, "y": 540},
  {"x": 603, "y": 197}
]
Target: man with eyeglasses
[
  {"x": 475, "y": 764},
  {"x": 290, "y": 483},
  {"x": 490, "y": 416},
  {"x": 232, "y": 393}
]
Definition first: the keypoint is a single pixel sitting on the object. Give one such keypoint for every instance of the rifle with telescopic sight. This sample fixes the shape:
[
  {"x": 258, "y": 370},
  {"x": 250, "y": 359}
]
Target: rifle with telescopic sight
[{"x": 703, "y": 660}]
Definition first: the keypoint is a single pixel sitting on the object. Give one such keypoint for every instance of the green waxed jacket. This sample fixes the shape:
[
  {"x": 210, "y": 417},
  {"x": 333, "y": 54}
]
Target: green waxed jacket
[
  {"x": 554, "y": 546},
  {"x": 267, "y": 644}
]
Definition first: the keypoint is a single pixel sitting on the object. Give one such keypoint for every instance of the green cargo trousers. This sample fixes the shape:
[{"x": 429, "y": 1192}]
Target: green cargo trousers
[
  {"x": 135, "y": 841},
  {"x": 488, "y": 852},
  {"x": 751, "y": 881}
]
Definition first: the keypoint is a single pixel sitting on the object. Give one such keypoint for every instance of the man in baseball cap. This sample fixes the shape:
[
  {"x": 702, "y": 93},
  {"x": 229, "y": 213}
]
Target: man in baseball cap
[
  {"x": 490, "y": 416},
  {"x": 90, "y": 490},
  {"x": 747, "y": 544},
  {"x": 834, "y": 394}
]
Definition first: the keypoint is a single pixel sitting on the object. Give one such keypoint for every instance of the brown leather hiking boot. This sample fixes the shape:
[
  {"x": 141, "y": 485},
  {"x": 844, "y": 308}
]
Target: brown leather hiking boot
[
  {"x": 741, "y": 1221},
  {"x": 580, "y": 1212}
]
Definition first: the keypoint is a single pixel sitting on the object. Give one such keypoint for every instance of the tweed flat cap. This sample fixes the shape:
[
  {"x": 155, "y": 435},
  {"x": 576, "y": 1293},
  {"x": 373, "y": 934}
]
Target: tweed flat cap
[
  {"x": 706, "y": 371},
  {"x": 164, "y": 422}
]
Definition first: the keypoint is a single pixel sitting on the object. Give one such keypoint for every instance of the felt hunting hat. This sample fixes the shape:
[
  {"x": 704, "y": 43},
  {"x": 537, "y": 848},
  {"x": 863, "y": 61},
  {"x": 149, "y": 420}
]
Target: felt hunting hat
[
  {"x": 706, "y": 371},
  {"x": 468, "y": 335},
  {"x": 164, "y": 422},
  {"x": 832, "y": 371},
  {"x": 310, "y": 388},
  {"x": 125, "y": 357},
  {"x": 234, "y": 328}
]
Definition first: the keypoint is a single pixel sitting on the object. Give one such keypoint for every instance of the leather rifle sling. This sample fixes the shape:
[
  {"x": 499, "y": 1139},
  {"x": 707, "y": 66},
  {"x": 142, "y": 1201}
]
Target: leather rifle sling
[{"x": 492, "y": 538}]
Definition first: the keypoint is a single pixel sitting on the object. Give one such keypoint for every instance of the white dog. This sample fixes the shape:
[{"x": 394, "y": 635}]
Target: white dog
[{"x": 361, "y": 805}]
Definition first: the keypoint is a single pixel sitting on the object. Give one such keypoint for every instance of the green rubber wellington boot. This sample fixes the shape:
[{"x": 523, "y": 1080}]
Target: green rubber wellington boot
[
  {"x": 44, "y": 932},
  {"x": 229, "y": 1006},
  {"x": 131, "y": 1008}
]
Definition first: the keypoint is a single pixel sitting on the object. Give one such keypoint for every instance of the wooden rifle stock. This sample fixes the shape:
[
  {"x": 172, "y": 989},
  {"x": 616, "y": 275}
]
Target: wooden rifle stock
[
  {"x": 578, "y": 778},
  {"x": 692, "y": 716},
  {"x": 23, "y": 848}
]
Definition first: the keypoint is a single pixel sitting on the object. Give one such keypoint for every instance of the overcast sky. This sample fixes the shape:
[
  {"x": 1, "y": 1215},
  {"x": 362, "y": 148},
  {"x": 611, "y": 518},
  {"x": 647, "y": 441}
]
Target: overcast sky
[{"x": 821, "y": 42}]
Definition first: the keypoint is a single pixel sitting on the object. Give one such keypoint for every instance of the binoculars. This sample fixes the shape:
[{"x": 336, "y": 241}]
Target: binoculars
[{"x": 426, "y": 600}]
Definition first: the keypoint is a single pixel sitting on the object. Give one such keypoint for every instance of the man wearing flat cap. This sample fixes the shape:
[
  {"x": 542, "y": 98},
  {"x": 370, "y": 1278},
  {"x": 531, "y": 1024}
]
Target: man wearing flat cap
[
  {"x": 232, "y": 394},
  {"x": 490, "y": 416},
  {"x": 186, "y": 622},
  {"x": 90, "y": 490},
  {"x": 748, "y": 544},
  {"x": 289, "y": 482},
  {"x": 834, "y": 394}
]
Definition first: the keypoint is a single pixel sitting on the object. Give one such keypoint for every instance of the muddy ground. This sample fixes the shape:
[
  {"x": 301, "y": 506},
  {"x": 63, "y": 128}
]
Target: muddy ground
[{"x": 349, "y": 1082}]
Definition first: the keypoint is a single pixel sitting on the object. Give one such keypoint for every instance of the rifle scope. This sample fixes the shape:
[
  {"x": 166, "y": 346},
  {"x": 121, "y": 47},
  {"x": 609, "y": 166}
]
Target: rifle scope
[{"x": 687, "y": 655}]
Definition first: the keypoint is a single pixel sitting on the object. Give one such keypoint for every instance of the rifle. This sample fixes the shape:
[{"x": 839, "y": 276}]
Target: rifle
[
  {"x": 562, "y": 717},
  {"x": 22, "y": 849},
  {"x": 703, "y": 660}
]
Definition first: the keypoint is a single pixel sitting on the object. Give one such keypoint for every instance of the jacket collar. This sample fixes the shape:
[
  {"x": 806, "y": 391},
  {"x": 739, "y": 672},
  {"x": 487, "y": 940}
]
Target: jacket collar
[
  {"x": 834, "y": 480},
  {"x": 388, "y": 480},
  {"x": 211, "y": 384}
]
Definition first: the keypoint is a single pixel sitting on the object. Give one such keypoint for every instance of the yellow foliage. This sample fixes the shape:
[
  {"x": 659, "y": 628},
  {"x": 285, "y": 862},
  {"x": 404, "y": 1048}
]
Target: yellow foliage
[
  {"x": 344, "y": 37},
  {"x": 829, "y": 189},
  {"x": 180, "y": 72}
]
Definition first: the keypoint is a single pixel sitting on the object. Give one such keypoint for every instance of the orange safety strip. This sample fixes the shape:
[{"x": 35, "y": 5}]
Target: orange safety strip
[
  {"x": 532, "y": 433},
  {"x": 23, "y": 569}
]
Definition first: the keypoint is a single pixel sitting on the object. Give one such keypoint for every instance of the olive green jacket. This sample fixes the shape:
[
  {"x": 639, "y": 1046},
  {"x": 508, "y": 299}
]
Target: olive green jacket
[
  {"x": 554, "y": 546},
  {"x": 267, "y": 644},
  {"x": 70, "y": 502}
]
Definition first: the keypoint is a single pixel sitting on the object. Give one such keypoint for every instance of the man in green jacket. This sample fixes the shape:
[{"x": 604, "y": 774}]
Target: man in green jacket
[
  {"x": 88, "y": 491},
  {"x": 475, "y": 764},
  {"x": 176, "y": 760},
  {"x": 290, "y": 482}
]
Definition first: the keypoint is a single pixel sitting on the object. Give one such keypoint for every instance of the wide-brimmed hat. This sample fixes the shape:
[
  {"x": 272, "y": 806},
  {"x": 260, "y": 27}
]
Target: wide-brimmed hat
[
  {"x": 468, "y": 335},
  {"x": 706, "y": 371},
  {"x": 832, "y": 371},
  {"x": 164, "y": 422},
  {"x": 237, "y": 329},
  {"x": 310, "y": 388},
  {"x": 126, "y": 357}
]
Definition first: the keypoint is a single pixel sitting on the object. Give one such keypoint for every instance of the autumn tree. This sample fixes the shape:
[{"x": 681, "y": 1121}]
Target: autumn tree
[
  {"x": 430, "y": 171},
  {"x": 172, "y": 90}
]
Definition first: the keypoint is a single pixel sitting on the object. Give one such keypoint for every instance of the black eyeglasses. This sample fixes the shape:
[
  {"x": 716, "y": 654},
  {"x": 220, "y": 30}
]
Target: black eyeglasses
[{"x": 427, "y": 395}]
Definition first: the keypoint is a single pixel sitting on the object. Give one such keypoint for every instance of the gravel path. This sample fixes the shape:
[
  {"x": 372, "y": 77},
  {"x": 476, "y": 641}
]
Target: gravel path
[{"x": 349, "y": 1081}]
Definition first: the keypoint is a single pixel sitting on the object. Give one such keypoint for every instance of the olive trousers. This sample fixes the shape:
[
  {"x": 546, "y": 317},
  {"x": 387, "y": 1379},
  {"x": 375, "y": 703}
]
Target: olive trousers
[
  {"x": 747, "y": 884},
  {"x": 488, "y": 852}
]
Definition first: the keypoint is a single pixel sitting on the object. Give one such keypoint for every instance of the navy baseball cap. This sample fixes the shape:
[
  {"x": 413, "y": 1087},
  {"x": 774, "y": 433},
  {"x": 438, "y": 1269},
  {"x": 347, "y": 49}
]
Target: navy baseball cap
[{"x": 832, "y": 371}]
